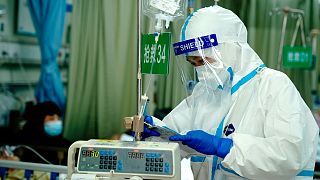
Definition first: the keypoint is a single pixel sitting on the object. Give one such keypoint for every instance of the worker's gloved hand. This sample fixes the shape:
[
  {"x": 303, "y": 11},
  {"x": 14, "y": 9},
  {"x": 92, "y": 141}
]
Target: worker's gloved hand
[
  {"x": 205, "y": 143},
  {"x": 149, "y": 132}
]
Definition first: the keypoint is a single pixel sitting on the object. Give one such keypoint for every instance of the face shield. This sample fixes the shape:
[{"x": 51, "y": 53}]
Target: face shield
[
  {"x": 200, "y": 61},
  {"x": 200, "y": 64}
]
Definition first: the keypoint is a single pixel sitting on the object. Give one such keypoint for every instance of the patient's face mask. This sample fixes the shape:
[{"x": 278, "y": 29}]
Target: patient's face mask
[{"x": 53, "y": 128}]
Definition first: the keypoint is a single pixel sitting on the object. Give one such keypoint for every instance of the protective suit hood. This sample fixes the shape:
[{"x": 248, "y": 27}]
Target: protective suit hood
[{"x": 231, "y": 35}]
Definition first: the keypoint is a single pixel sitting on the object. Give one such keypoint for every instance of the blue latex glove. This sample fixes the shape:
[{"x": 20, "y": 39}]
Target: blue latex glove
[
  {"x": 149, "y": 132},
  {"x": 205, "y": 143}
]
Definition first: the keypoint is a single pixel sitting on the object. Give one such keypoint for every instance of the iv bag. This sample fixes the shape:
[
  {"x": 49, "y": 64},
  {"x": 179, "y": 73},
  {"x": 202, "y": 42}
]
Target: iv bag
[{"x": 164, "y": 10}]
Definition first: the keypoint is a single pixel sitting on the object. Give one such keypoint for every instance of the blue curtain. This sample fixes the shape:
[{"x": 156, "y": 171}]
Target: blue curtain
[{"x": 48, "y": 19}]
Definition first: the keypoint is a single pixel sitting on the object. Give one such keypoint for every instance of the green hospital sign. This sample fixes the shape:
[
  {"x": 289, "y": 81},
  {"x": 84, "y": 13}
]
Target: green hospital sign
[
  {"x": 155, "y": 56},
  {"x": 297, "y": 57}
]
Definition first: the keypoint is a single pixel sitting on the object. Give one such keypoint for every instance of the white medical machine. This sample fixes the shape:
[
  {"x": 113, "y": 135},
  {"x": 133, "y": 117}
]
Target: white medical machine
[{"x": 117, "y": 160}]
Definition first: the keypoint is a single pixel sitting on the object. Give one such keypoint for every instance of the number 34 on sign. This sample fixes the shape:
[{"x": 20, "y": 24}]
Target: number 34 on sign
[{"x": 155, "y": 56}]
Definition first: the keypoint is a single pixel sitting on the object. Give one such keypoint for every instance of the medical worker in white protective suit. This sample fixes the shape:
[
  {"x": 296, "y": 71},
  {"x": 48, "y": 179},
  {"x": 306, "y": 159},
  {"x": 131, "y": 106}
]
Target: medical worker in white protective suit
[{"x": 244, "y": 119}]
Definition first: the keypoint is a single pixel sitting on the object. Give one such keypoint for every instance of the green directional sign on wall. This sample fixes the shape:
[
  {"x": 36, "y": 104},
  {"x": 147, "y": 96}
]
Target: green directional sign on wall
[
  {"x": 297, "y": 57},
  {"x": 155, "y": 56}
]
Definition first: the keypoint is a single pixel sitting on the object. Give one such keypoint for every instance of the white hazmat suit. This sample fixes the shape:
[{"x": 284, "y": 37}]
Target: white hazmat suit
[{"x": 273, "y": 131}]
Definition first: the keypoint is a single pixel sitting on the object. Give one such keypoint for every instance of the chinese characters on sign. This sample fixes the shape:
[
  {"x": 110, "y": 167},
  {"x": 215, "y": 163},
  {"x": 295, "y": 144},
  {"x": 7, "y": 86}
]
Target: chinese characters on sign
[
  {"x": 155, "y": 53},
  {"x": 297, "y": 57},
  {"x": 155, "y": 56}
]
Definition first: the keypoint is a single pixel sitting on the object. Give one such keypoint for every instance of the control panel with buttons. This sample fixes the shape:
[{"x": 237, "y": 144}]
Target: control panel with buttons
[{"x": 139, "y": 158}]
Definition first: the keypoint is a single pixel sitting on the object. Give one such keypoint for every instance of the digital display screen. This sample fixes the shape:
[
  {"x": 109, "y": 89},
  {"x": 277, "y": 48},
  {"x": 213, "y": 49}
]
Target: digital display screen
[
  {"x": 135, "y": 155},
  {"x": 88, "y": 153}
]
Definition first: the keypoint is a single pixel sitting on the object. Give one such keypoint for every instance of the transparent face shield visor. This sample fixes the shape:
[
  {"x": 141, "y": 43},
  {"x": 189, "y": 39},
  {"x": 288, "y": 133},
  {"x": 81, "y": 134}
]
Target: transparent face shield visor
[{"x": 200, "y": 62}]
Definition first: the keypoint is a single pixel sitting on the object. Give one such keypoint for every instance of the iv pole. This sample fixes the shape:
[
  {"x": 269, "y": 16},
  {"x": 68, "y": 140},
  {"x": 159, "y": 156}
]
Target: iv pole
[
  {"x": 137, "y": 120},
  {"x": 139, "y": 75},
  {"x": 314, "y": 74}
]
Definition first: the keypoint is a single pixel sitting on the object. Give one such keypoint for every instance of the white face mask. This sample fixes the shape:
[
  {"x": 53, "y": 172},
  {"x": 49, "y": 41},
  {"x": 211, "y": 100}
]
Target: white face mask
[{"x": 208, "y": 77}]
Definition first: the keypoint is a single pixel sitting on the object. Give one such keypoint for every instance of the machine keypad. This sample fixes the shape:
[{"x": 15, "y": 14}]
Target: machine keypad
[
  {"x": 108, "y": 162},
  {"x": 154, "y": 164}
]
